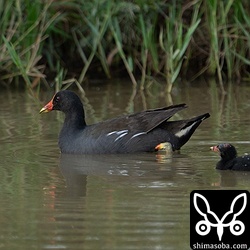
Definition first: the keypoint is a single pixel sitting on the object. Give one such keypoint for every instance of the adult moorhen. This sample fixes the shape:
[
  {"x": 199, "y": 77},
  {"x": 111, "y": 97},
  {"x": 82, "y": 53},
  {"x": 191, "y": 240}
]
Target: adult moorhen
[
  {"x": 138, "y": 132},
  {"x": 229, "y": 159}
]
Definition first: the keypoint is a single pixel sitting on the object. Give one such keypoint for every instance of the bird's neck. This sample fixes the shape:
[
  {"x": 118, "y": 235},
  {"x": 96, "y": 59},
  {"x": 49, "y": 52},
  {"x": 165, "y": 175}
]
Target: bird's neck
[
  {"x": 74, "y": 121},
  {"x": 225, "y": 164}
]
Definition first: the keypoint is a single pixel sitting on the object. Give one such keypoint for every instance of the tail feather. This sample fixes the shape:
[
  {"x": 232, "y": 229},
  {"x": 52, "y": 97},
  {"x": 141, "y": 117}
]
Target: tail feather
[
  {"x": 183, "y": 129},
  {"x": 197, "y": 119}
]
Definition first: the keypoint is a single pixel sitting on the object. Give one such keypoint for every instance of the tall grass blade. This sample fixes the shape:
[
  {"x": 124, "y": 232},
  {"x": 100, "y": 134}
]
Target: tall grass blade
[{"x": 16, "y": 59}]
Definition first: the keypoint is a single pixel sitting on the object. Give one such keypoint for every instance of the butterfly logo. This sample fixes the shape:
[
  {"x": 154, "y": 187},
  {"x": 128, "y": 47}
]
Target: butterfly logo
[{"x": 203, "y": 227}]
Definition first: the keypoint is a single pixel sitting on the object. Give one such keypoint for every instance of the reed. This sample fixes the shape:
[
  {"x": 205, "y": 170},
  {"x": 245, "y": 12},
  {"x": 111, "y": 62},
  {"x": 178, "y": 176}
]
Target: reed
[
  {"x": 145, "y": 39},
  {"x": 175, "y": 44},
  {"x": 92, "y": 36},
  {"x": 23, "y": 38},
  {"x": 231, "y": 41},
  {"x": 241, "y": 51}
]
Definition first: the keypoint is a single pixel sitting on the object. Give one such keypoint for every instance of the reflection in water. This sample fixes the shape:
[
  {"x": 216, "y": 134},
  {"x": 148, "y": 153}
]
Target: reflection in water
[
  {"x": 233, "y": 179},
  {"x": 120, "y": 197},
  {"x": 77, "y": 168},
  {"x": 226, "y": 108}
]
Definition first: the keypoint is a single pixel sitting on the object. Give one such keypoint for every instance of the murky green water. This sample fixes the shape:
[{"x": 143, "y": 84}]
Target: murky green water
[{"x": 53, "y": 201}]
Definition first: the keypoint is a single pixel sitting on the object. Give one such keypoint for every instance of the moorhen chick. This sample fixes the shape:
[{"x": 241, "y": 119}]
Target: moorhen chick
[
  {"x": 138, "y": 132},
  {"x": 229, "y": 159}
]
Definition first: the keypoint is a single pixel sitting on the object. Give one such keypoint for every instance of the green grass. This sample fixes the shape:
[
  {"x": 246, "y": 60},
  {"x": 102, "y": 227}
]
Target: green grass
[{"x": 69, "y": 41}]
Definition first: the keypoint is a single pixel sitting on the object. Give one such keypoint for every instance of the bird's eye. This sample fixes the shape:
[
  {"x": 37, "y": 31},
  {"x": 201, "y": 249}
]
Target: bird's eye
[{"x": 57, "y": 99}]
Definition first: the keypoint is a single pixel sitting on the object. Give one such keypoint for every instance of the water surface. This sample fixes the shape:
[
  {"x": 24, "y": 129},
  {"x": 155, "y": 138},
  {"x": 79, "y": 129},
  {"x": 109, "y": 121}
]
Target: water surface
[{"x": 139, "y": 201}]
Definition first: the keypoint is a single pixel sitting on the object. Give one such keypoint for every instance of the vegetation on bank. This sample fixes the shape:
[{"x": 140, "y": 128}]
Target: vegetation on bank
[{"x": 69, "y": 40}]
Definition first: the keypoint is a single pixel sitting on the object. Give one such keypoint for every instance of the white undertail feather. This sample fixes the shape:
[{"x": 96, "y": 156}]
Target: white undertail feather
[{"x": 184, "y": 131}]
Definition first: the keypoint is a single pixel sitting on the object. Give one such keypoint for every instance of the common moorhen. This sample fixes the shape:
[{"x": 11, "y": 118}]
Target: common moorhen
[
  {"x": 138, "y": 132},
  {"x": 229, "y": 159}
]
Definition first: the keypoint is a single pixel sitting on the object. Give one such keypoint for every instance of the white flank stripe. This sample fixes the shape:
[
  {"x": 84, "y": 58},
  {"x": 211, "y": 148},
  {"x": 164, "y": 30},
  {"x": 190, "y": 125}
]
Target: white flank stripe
[
  {"x": 122, "y": 131},
  {"x": 117, "y": 132},
  {"x": 135, "y": 135},
  {"x": 120, "y": 136},
  {"x": 111, "y": 133}
]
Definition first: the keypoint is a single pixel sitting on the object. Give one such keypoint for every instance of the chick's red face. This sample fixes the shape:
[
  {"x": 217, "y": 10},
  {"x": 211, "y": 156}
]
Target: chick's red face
[{"x": 215, "y": 149}]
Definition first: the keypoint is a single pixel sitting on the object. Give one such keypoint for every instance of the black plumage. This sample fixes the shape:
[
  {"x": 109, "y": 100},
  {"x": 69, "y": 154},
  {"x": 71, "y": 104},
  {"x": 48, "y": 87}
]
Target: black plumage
[
  {"x": 229, "y": 159},
  {"x": 138, "y": 132}
]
